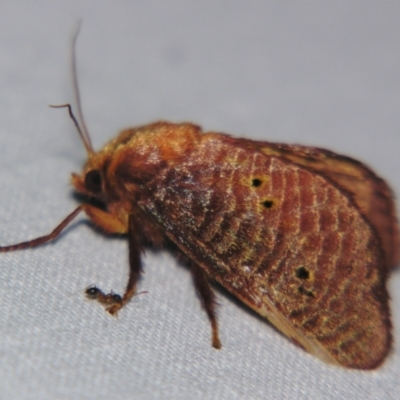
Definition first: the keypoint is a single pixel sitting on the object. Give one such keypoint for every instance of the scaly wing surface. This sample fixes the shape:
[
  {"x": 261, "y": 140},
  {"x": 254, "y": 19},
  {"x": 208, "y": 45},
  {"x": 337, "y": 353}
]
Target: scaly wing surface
[{"x": 287, "y": 241}]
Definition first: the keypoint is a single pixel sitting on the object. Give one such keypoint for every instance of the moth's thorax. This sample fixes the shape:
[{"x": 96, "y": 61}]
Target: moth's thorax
[{"x": 133, "y": 158}]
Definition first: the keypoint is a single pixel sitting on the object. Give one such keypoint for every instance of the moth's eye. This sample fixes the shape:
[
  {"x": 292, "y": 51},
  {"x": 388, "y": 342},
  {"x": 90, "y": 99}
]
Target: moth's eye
[{"x": 93, "y": 181}]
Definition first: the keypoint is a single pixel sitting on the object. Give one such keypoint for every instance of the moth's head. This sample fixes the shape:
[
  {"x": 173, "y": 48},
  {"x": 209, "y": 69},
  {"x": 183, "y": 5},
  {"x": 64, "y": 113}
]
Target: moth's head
[
  {"x": 91, "y": 182},
  {"x": 95, "y": 181}
]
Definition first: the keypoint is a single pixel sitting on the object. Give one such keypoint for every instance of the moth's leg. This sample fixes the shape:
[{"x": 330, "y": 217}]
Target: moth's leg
[
  {"x": 43, "y": 239},
  {"x": 115, "y": 302},
  {"x": 208, "y": 300},
  {"x": 135, "y": 264},
  {"x": 109, "y": 224}
]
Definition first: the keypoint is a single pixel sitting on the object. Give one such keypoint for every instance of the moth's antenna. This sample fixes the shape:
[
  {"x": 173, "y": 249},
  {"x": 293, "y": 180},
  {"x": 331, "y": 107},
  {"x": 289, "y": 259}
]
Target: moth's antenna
[
  {"x": 78, "y": 128},
  {"x": 84, "y": 133}
]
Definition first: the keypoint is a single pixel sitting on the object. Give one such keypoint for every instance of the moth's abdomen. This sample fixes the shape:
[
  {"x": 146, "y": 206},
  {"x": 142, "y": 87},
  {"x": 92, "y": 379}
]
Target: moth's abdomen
[{"x": 288, "y": 242}]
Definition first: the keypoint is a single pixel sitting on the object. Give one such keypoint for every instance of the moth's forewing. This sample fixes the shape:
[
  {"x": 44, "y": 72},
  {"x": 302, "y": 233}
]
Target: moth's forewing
[
  {"x": 372, "y": 194},
  {"x": 287, "y": 241}
]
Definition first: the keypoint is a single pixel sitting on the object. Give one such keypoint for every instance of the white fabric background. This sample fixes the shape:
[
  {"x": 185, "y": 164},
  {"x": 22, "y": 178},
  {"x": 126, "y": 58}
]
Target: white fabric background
[{"x": 317, "y": 73}]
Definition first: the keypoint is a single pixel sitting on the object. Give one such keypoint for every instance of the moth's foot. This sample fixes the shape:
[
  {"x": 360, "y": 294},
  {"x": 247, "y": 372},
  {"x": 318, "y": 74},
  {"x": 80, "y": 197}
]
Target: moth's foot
[
  {"x": 114, "y": 308},
  {"x": 112, "y": 301},
  {"x": 216, "y": 343}
]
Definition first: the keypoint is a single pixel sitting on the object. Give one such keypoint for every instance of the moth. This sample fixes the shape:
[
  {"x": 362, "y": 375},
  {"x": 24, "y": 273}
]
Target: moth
[{"x": 302, "y": 235}]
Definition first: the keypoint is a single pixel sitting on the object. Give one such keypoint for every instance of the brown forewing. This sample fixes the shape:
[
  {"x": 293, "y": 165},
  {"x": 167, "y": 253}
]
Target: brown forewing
[
  {"x": 287, "y": 241},
  {"x": 371, "y": 193}
]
